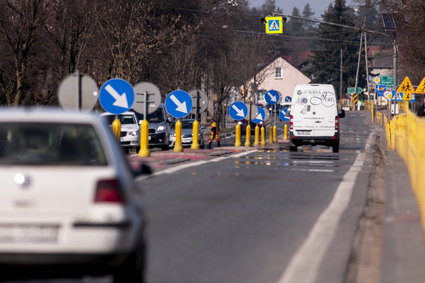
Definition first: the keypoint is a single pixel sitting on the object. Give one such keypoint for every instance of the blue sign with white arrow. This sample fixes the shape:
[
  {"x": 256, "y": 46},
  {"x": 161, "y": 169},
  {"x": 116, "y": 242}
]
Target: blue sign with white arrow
[
  {"x": 238, "y": 110},
  {"x": 178, "y": 103},
  {"x": 283, "y": 114},
  {"x": 260, "y": 116},
  {"x": 116, "y": 96},
  {"x": 288, "y": 99},
  {"x": 272, "y": 96}
]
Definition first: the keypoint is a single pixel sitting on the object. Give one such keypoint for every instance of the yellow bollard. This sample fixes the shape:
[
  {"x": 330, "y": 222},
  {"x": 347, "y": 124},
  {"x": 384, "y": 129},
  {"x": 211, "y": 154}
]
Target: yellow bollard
[
  {"x": 263, "y": 136},
  {"x": 285, "y": 132},
  {"x": 248, "y": 135},
  {"x": 178, "y": 144},
  {"x": 195, "y": 135},
  {"x": 238, "y": 135},
  {"x": 256, "y": 135},
  {"x": 116, "y": 129},
  {"x": 144, "y": 139},
  {"x": 274, "y": 133}
]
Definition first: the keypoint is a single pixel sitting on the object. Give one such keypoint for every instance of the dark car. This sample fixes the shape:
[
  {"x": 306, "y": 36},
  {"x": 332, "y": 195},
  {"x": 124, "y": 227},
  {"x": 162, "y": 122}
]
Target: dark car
[
  {"x": 187, "y": 137},
  {"x": 159, "y": 127},
  {"x": 244, "y": 123}
]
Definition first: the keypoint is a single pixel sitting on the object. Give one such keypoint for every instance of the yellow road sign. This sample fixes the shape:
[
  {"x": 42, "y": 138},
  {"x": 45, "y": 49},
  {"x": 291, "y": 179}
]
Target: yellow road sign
[
  {"x": 421, "y": 88},
  {"x": 274, "y": 25},
  {"x": 406, "y": 86}
]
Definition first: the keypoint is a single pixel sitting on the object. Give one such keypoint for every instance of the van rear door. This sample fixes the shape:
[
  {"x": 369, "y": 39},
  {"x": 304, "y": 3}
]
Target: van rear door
[{"x": 313, "y": 111}]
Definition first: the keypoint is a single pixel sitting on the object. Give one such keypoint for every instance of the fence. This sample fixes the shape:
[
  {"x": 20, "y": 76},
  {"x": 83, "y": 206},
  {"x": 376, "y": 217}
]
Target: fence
[{"x": 406, "y": 134}]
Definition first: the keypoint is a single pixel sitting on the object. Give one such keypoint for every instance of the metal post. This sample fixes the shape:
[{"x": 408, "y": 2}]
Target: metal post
[
  {"x": 358, "y": 65},
  {"x": 340, "y": 75},
  {"x": 79, "y": 91}
]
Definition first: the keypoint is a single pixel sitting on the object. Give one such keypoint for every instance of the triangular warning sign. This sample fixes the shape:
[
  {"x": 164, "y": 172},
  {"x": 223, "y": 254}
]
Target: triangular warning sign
[
  {"x": 406, "y": 86},
  {"x": 274, "y": 25},
  {"x": 421, "y": 88}
]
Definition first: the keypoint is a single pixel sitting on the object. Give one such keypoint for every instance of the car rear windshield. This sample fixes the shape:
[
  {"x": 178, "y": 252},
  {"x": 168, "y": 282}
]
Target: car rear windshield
[{"x": 50, "y": 144}]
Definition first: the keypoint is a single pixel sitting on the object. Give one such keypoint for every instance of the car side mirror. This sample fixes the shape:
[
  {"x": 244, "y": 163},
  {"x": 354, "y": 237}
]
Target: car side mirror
[{"x": 341, "y": 114}]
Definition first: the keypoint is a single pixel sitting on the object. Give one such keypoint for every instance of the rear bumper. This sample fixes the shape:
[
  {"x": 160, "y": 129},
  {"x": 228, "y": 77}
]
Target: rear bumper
[{"x": 325, "y": 140}]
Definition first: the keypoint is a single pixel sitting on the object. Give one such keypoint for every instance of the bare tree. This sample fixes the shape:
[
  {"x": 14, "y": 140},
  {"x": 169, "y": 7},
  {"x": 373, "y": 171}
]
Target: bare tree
[
  {"x": 131, "y": 31},
  {"x": 20, "y": 24}
]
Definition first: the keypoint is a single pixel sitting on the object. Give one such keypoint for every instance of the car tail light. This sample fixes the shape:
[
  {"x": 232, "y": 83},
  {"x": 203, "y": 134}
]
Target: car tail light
[
  {"x": 336, "y": 123},
  {"x": 291, "y": 123},
  {"x": 109, "y": 191}
]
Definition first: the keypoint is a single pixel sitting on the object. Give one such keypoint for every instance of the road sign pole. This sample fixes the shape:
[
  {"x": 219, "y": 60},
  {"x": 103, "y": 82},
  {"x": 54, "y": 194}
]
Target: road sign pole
[
  {"x": 79, "y": 91},
  {"x": 197, "y": 106}
]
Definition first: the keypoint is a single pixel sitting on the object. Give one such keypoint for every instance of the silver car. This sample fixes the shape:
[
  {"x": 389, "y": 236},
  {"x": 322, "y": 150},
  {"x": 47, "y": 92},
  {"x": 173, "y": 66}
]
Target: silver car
[{"x": 68, "y": 196}]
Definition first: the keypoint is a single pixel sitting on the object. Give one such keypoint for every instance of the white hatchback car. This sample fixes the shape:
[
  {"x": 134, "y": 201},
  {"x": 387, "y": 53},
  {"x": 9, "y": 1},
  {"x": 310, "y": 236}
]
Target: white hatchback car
[{"x": 68, "y": 196}]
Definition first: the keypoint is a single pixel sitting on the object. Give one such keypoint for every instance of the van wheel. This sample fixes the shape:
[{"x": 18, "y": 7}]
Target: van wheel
[{"x": 335, "y": 147}]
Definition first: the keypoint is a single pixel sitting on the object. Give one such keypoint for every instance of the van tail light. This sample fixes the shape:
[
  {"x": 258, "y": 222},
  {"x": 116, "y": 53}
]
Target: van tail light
[
  {"x": 336, "y": 123},
  {"x": 291, "y": 123},
  {"x": 109, "y": 191}
]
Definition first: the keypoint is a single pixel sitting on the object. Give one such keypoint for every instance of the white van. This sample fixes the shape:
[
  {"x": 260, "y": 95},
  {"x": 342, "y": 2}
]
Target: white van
[{"x": 314, "y": 116}]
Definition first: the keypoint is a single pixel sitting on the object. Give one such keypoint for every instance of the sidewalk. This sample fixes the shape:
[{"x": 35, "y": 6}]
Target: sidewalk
[{"x": 403, "y": 247}]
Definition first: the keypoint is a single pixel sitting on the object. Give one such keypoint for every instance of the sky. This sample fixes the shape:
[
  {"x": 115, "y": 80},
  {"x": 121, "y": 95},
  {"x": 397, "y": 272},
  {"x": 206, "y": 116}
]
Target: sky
[{"x": 317, "y": 6}]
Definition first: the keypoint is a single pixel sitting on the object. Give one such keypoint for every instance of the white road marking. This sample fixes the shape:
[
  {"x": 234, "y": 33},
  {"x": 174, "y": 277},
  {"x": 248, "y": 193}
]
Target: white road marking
[
  {"x": 192, "y": 164},
  {"x": 304, "y": 265}
]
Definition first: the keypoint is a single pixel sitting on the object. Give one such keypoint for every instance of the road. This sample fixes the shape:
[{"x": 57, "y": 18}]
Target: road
[
  {"x": 247, "y": 218},
  {"x": 254, "y": 216}
]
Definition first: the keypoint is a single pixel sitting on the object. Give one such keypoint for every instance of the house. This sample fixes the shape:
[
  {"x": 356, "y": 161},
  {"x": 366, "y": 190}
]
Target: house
[{"x": 279, "y": 75}]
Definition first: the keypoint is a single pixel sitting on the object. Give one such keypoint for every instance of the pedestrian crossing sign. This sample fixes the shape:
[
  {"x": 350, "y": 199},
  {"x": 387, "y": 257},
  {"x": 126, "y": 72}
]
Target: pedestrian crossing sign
[
  {"x": 274, "y": 25},
  {"x": 421, "y": 88},
  {"x": 406, "y": 86}
]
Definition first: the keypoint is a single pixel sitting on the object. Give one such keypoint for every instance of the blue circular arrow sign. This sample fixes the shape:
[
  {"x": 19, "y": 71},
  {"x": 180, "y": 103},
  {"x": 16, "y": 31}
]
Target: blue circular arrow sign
[
  {"x": 116, "y": 96},
  {"x": 238, "y": 110},
  {"x": 272, "y": 96},
  {"x": 260, "y": 116},
  {"x": 288, "y": 99},
  {"x": 178, "y": 103},
  {"x": 283, "y": 114}
]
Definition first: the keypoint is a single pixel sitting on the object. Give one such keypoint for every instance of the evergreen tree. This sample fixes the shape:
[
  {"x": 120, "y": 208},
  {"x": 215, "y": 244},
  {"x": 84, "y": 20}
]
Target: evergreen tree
[
  {"x": 269, "y": 7},
  {"x": 325, "y": 64},
  {"x": 295, "y": 26},
  {"x": 309, "y": 27}
]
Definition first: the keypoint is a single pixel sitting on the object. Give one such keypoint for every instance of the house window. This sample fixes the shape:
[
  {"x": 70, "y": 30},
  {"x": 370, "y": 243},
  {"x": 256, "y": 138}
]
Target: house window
[{"x": 278, "y": 73}]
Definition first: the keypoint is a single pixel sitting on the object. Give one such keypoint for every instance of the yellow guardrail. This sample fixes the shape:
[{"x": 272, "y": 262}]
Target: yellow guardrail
[{"x": 406, "y": 134}]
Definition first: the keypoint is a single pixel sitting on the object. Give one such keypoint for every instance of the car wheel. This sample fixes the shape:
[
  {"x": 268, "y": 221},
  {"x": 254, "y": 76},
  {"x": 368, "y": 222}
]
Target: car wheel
[
  {"x": 335, "y": 147},
  {"x": 133, "y": 268}
]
